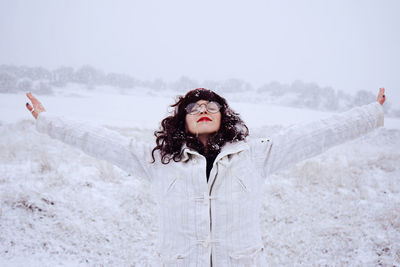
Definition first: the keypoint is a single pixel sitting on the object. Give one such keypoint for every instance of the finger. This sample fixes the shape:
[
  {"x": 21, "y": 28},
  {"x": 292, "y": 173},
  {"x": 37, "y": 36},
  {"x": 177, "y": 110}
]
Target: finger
[
  {"x": 381, "y": 96},
  {"x": 29, "y": 107},
  {"x": 36, "y": 103},
  {"x": 29, "y": 95},
  {"x": 32, "y": 98},
  {"x": 35, "y": 114}
]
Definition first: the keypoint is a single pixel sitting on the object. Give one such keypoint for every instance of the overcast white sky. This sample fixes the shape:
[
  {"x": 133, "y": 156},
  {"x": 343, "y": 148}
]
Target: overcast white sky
[{"x": 346, "y": 44}]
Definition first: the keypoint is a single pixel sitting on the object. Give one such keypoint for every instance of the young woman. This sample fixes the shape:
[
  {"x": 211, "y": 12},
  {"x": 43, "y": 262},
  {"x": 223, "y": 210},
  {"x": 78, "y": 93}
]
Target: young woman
[{"x": 207, "y": 173}]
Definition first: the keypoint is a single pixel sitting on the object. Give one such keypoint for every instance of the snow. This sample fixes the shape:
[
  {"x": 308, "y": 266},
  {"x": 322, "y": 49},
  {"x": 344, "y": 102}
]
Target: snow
[{"x": 60, "y": 207}]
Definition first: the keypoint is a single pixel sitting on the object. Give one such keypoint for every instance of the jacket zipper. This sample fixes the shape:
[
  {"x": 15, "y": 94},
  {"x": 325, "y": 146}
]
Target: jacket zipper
[
  {"x": 209, "y": 201},
  {"x": 209, "y": 212}
]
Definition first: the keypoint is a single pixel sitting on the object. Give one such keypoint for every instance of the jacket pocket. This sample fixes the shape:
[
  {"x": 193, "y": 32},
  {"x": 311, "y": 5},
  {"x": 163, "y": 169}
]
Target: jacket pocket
[
  {"x": 241, "y": 179},
  {"x": 171, "y": 184},
  {"x": 242, "y": 184},
  {"x": 249, "y": 257}
]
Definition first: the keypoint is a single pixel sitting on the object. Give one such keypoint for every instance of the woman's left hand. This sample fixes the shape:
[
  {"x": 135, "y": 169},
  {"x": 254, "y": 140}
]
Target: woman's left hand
[
  {"x": 381, "y": 96},
  {"x": 37, "y": 106}
]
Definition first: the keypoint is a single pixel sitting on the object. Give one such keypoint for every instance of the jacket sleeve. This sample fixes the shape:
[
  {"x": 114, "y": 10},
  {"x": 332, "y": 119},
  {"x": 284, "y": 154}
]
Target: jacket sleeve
[
  {"x": 99, "y": 142},
  {"x": 303, "y": 141}
]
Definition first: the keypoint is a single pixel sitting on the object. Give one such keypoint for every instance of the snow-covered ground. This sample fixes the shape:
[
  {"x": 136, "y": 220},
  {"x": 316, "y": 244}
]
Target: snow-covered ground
[{"x": 60, "y": 207}]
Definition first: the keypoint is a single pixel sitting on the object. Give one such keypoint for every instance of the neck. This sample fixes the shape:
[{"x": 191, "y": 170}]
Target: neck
[{"x": 203, "y": 139}]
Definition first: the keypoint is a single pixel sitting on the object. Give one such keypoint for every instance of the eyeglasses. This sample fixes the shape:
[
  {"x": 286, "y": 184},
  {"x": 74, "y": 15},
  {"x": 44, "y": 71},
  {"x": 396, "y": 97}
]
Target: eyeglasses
[{"x": 194, "y": 108}]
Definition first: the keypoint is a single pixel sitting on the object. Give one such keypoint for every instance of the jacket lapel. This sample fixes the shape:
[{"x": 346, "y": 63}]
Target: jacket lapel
[{"x": 227, "y": 149}]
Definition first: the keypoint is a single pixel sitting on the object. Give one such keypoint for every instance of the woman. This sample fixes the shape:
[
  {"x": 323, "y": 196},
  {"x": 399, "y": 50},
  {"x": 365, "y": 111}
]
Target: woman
[{"x": 207, "y": 174}]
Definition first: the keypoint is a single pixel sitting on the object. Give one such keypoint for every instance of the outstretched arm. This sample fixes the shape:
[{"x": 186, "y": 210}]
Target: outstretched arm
[
  {"x": 126, "y": 153},
  {"x": 300, "y": 142}
]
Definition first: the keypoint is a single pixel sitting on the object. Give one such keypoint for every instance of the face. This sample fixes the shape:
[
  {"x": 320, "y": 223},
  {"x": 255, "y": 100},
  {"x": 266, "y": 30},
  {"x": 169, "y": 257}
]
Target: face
[{"x": 204, "y": 122}]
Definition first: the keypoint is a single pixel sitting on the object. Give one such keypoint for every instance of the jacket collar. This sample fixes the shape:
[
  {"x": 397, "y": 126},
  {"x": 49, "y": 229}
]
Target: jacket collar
[{"x": 227, "y": 149}]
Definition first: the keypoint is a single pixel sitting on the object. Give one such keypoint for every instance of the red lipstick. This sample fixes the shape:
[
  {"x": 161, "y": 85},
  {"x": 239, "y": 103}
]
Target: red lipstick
[{"x": 204, "y": 119}]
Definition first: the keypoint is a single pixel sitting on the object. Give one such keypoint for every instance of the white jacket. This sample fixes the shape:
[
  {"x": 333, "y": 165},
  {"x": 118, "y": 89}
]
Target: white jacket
[{"x": 218, "y": 218}]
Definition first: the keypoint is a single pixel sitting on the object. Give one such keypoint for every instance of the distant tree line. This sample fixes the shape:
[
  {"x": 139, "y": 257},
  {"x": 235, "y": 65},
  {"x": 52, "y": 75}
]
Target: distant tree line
[
  {"x": 298, "y": 94},
  {"x": 42, "y": 81}
]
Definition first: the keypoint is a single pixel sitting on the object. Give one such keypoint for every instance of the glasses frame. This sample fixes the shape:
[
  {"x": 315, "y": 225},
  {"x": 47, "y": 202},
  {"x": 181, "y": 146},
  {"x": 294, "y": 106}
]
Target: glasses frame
[{"x": 198, "y": 109}]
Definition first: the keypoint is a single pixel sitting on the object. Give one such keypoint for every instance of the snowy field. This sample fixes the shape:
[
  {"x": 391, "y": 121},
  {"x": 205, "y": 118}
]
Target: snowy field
[{"x": 60, "y": 207}]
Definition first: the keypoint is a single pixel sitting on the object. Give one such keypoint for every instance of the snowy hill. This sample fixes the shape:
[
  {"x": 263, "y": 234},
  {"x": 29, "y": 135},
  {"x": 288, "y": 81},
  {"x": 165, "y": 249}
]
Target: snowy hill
[{"x": 60, "y": 207}]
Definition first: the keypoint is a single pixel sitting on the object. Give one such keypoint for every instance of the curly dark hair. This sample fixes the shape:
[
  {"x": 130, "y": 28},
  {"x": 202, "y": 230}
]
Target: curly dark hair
[{"x": 172, "y": 134}]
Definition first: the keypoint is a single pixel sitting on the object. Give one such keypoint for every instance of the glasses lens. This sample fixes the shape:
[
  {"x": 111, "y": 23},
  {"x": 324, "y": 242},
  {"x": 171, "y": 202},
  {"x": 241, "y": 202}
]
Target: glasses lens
[
  {"x": 213, "y": 107},
  {"x": 192, "y": 108}
]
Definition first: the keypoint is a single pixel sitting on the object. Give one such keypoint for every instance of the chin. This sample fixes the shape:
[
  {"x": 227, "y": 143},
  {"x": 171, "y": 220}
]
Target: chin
[{"x": 206, "y": 132}]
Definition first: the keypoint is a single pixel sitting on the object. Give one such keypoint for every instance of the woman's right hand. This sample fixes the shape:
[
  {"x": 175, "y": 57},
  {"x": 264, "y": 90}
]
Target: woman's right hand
[{"x": 37, "y": 106}]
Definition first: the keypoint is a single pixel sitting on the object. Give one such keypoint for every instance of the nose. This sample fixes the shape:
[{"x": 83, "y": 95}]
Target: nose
[{"x": 203, "y": 109}]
